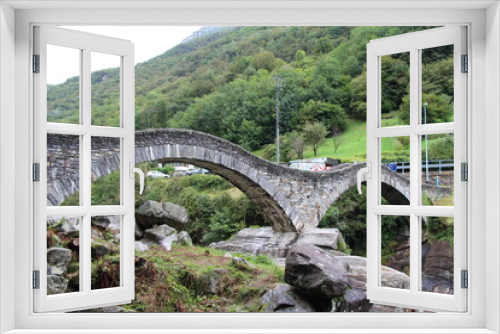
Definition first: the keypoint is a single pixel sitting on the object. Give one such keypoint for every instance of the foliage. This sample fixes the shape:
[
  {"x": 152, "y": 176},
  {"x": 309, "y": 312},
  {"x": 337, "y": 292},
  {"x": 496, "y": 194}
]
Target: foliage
[
  {"x": 336, "y": 143},
  {"x": 221, "y": 227},
  {"x": 440, "y": 147},
  {"x": 177, "y": 281},
  {"x": 314, "y": 135},
  {"x": 223, "y": 83},
  {"x": 297, "y": 142},
  {"x": 169, "y": 170}
]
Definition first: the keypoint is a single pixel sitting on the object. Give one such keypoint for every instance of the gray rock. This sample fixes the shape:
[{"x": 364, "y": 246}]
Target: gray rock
[
  {"x": 69, "y": 226},
  {"x": 258, "y": 241},
  {"x": 158, "y": 233},
  {"x": 315, "y": 272},
  {"x": 102, "y": 222},
  {"x": 56, "y": 284},
  {"x": 138, "y": 232},
  {"x": 58, "y": 260},
  {"x": 163, "y": 235},
  {"x": 212, "y": 282},
  {"x": 242, "y": 264},
  {"x": 390, "y": 277},
  {"x": 107, "y": 309},
  {"x": 283, "y": 298},
  {"x": 437, "y": 267},
  {"x": 322, "y": 237},
  {"x": 184, "y": 239},
  {"x": 356, "y": 301},
  {"x": 156, "y": 213},
  {"x": 141, "y": 247},
  {"x": 98, "y": 249}
]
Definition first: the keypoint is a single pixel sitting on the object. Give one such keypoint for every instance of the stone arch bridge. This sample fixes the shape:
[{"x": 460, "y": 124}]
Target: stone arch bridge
[{"x": 292, "y": 200}]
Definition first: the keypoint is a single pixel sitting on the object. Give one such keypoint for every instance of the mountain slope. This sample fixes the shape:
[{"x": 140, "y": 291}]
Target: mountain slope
[{"x": 224, "y": 82}]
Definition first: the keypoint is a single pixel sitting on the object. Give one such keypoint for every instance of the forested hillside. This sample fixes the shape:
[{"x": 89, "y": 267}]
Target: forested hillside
[{"x": 224, "y": 83}]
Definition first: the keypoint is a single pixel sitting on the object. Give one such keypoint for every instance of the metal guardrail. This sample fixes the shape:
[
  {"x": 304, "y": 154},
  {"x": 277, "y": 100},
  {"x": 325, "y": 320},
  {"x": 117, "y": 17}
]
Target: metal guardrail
[{"x": 439, "y": 165}]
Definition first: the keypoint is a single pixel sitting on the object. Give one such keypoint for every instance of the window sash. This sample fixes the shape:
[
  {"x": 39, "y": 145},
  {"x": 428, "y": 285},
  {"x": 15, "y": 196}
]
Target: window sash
[
  {"x": 413, "y": 43},
  {"x": 86, "y": 297}
]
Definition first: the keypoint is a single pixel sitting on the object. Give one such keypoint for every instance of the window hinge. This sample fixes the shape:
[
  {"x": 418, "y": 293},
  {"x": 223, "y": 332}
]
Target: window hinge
[
  {"x": 36, "y": 63},
  {"x": 36, "y": 279},
  {"x": 465, "y": 63},
  {"x": 464, "y": 171},
  {"x": 465, "y": 279},
  {"x": 36, "y": 172}
]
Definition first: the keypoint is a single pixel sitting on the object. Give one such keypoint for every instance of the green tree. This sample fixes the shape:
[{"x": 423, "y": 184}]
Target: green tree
[
  {"x": 315, "y": 135},
  {"x": 300, "y": 55},
  {"x": 333, "y": 116},
  {"x": 395, "y": 78},
  {"x": 265, "y": 60},
  {"x": 439, "y": 109},
  {"x": 250, "y": 135},
  {"x": 323, "y": 45},
  {"x": 297, "y": 143}
]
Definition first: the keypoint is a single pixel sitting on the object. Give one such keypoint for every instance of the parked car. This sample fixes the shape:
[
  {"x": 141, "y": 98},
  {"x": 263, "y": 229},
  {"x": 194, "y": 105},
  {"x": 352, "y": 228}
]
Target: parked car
[
  {"x": 156, "y": 173},
  {"x": 197, "y": 171}
]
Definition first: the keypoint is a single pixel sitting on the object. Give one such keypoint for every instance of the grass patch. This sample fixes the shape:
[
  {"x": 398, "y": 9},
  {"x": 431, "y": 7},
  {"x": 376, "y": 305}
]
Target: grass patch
[{"x": 176, "y": 281}]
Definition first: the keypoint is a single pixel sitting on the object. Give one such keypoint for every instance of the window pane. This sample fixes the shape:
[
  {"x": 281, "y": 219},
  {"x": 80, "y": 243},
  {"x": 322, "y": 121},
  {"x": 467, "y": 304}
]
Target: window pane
[
  {"x": 395, "y": 174},
  {"x": 63, "y": 255},
  {"x": 395, "y": 81},
  {"x": 105, "y": 251},
  {"x": 438, "y": 169},
  {"x": 437, "y": 85},
  {"x": 437, "y": 254},
  {"x": 63, "y": 84},
  {"x": 395, "y": 251},
  {"x": 63, "y": 170},
  {"x": 105, "y": 89},
  {"x": 106, "y": 169}
]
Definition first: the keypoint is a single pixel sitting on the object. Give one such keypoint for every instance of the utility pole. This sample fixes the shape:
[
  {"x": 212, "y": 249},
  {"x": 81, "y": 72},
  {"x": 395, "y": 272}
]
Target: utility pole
[{"x": 277, "y": 108}]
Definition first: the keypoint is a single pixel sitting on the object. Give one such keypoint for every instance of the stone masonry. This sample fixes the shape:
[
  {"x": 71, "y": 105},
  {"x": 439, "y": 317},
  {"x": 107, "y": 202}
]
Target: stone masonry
[{"x": 292, "y": 200}]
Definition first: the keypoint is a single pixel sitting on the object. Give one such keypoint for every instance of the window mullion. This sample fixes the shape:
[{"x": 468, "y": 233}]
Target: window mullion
[
  {"x": 415, "y": 166},
  {"x": 86, "y": 168}
]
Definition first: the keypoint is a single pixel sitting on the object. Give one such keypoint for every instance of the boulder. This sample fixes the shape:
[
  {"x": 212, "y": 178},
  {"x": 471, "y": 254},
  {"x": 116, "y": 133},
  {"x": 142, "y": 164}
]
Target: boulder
[
  {"x": 284, "y": 298},
  {"x": 241, "y": 263},
  {"x": 138, "y": 232},
  {"x": 212, "y": 282},
  {"x": 58, "y": 260},
  {"x": 69, "y": 226},
  {"x": 163, "y": 235},
  {"x": 258, "y": 241},
  {"x": 356, "y": 301},
  {"x": 159, "y": 233},
  {"x": 327, "y": 238},
  {"x": 184, "y": 239},
  {"x": 98, "y": 249},
  {"x": 437, "y": 267},
  {"x": 141, "y": 247},
  {"x": 315, "y": 272},
  {"x": 101, "y": 222},
  {"x": 159, "y": 213},
  {"x": 56, "y": 284},
  {"x": 357, "y": 273}
]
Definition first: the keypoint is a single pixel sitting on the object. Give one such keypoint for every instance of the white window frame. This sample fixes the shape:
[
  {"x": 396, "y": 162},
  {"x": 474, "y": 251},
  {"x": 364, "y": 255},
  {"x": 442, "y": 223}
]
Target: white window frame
[
  {"x": 86, "y": 44},
  {"x": 484, "y": 103}
]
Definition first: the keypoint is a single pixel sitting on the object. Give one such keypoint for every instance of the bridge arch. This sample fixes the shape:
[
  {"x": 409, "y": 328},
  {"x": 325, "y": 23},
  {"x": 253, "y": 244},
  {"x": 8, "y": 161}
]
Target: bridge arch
[{"x": 291, "y": 199}]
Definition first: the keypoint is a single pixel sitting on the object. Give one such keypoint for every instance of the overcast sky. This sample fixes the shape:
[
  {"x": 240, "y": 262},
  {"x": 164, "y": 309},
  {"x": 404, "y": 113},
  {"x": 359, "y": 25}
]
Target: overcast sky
[{"x": 148, "y": 41}]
